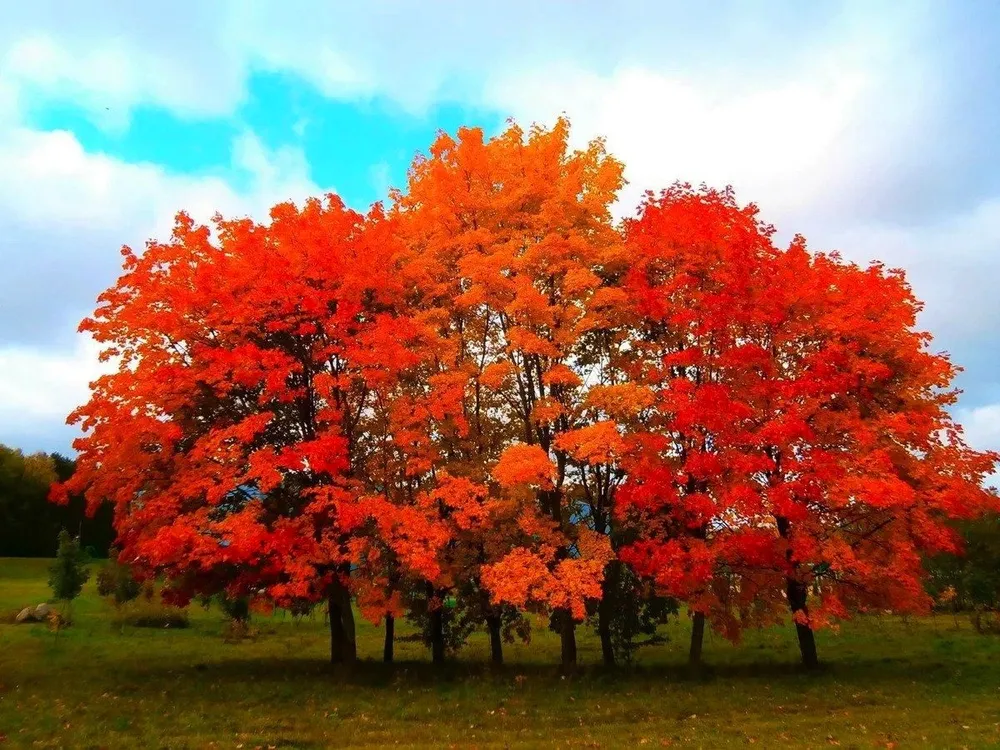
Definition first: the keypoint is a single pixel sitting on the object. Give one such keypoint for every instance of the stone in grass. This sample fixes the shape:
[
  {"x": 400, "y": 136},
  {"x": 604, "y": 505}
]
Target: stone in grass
[
  {"x": 42, "y": 611},
  {"x": 25, "y": 615}
]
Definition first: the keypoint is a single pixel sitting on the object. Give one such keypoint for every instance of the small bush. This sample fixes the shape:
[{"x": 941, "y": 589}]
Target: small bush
[
  {"x": 115, "y": 580},
  {"x": 985, "y": 621},
  {"x": 69, "y": 572},
  {"x": 301, "y": 608},
  {"x": 237, "y": 630},
  {"x": 145, "y": 614},
  {"x": 57, "y": 621},
  {"x": 236, "y": 608}
]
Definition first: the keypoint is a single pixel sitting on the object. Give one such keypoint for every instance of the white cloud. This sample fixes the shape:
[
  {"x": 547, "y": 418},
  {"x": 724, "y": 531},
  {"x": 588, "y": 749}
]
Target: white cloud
[
  {"x": 982, "y": 431},
  {"x": 194, "y": 57},
  {"x": 772, "y": 142},
  {"x": 982, "y": 426},
  {"x": 43, "y": 387},
  {"x": 64, "y": 219},
  {"x": 834, "y": 118},
  {"x": 112, "y": 57},
  {"x": 952, "y": 263}
]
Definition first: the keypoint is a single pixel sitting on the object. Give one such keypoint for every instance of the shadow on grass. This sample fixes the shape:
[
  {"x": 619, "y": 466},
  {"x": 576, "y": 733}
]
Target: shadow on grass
[{"x": 376, "y": 675}]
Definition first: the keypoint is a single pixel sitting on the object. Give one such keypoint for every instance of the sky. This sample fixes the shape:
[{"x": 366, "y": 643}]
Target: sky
[{"x": 868, "y": 127}]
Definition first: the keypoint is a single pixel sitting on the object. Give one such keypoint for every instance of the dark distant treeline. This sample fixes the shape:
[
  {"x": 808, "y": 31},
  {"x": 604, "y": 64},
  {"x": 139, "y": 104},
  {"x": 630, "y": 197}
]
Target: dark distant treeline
[{"x": 29, "y": 523}]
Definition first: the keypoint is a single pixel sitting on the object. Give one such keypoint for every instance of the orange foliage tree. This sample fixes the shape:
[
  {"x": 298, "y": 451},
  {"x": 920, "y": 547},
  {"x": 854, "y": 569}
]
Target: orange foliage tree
[{"x": 513, "y": 243}]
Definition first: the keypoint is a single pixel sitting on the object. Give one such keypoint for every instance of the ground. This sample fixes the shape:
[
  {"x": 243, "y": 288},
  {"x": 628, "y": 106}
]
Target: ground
[{"x": 887, "y": 683}]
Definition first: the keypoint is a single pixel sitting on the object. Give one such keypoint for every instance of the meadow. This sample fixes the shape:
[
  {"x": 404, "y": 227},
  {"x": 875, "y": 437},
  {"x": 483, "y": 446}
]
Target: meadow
[{"x": 886, "y": 682}]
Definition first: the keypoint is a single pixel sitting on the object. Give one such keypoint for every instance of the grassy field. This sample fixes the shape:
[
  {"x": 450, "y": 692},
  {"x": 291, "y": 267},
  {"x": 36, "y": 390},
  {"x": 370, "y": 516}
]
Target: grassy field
[{"x": 886, "y": 683}]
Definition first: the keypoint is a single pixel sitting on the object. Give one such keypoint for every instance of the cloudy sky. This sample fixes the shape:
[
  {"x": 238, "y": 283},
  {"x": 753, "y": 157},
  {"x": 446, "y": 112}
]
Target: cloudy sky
[{"x": 869, "y": 127}]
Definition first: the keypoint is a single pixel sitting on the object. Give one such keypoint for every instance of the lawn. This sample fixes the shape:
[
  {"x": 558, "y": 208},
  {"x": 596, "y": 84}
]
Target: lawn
[{"x": 886, "y": 683}]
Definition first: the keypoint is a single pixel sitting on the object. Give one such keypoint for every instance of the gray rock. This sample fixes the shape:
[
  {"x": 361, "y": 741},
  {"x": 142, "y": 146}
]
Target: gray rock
[
  {"x": 42, "y": 611},
  {"x": 25, "y": 615}
]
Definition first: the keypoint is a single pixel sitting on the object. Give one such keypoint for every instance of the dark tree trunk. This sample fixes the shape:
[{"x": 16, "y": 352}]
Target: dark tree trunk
[
  {"x": 607, "y": 649},
  {"x": 567, "y": 637},
  {"x": 496, "y": 642},
  {"x": 390, "y": 635},
  {"x": 336, "y": 630},
  {"x": 343, "y": 643},
  {"x": 605, "y": 610},
  {"x": 697, "y": 639},
  {"x": 797, "y": 595},
  {"x": 437, "y": 630},
  {"x": 604, "y": 630}
]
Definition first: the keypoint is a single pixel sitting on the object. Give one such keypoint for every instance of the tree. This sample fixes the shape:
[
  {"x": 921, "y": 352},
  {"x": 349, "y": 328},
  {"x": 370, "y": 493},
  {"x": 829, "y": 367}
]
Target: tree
[
  {"x": 509, "y": 238},
  {"x": 69, "y": 571},
  {"x": 231, "y": 436},
  {"x": 29, "y": 525},
  {"x": 824, "y": 459},
  {"x": 493, "y": 397},
  {"x": 970, "y": 580},
  {"x": 696, "y": 288}
]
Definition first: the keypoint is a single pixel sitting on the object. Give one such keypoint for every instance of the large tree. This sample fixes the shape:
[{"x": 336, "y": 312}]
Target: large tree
[
  {"x": 231, "y": 436},
  {"x": 515, "y": 243},
  {"x": 801, "y": 445}
]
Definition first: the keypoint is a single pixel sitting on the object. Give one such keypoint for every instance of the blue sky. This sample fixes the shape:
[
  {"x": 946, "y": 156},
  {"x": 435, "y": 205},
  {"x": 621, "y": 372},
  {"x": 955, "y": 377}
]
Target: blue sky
[
  {"x": 360, "y": 147},
  {"x": 867, "y": 126}
]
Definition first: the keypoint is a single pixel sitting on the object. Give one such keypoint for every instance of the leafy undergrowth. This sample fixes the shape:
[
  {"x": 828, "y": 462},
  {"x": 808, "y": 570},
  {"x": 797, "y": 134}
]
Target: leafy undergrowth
[
  {"x": 887, "y": 683},
  {"x": 149, "y": 614}
]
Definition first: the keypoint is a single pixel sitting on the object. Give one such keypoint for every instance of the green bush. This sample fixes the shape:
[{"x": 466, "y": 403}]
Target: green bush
[
  {"x": 237, "y": 608},
  {"x": 69, "y": 572},
  {"x": 141, "y": 613},
  {"x": 970, "y": 582},
  {"x": 115, "y": 580},
  {"x": 632, "y": 611}
]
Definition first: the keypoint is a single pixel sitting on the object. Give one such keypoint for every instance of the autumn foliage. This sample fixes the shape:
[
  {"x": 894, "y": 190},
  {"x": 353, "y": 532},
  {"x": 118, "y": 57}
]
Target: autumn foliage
[{"x": 491, "y": 395}]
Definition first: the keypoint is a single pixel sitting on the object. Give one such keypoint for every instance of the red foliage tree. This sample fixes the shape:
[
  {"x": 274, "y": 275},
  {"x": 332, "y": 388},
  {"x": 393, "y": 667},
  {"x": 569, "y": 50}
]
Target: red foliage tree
[
  {"x": 230, "y": 438},
  {"x": 800, "y": 440}
]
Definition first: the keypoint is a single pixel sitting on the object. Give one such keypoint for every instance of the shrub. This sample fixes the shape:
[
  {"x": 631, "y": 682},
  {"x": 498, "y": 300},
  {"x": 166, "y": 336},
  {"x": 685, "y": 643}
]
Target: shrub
[
  {"x": 69, "y": 572},
  {"x": 56, "y": 621},
  {"x": 458, "y": 619},
  {"x": 633, "y": 612},
  {"x": 115, "y": 580},
  {"x": 301, "y": 608},
  {"x": 970, "y": 582},
  {"x": 141, "y": 613},
  {"x": 236, "y": 608},
  {"x": 237, "y": 630}
]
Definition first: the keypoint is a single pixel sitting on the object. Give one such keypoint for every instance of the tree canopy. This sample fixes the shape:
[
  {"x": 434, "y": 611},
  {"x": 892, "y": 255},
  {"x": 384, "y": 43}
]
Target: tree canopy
[{"x": 491, "y": 394}]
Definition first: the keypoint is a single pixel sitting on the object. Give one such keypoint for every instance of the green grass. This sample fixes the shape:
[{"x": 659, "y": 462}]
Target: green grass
[{"x": 886, "y": 683}]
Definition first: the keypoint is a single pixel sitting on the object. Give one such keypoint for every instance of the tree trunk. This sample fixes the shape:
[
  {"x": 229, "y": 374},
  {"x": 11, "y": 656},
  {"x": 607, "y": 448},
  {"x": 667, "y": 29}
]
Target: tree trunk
[
  {"x": 567, "y": 637},
  {"x": 604, "y": 630},
  {"x": 496, "y": 642},
  {"x": 605, "y": 608},
  {"x": 797, "y": 595},
  {"x": 437, "y": 629},
  {"x": 343, "y": 642},
  {"x": 697, "y": 639},
  {"x": 390, "y": 634}
]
